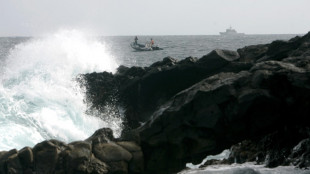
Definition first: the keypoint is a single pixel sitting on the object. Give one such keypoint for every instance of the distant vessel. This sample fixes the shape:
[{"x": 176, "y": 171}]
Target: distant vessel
[
  {"x": 231, "y": 32},
  {"x": 146, "y": 47}
]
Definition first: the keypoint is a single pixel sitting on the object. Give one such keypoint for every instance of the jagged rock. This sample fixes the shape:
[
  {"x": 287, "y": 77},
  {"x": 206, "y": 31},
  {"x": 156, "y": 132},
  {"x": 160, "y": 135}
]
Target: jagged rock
[
  {"x": 191, "y": 108},
  {"x": 101, "y": 89},
  {"x": 102, "y": 135},
  {"x": 300, "y": 155},
  {"x": 244, "y": 151},
  {"x": 145, "y": 95},
  {"x": 132, "y": 72},
  {"x": 130, "y": 135},
  {"x": 218, "y": 58},
  {"x": 122, "y": 70},
  {"x": 252, "y": 53},
  {"x": 222, "y": 109},
  {"x": 97, "y": 167},
  {"x": 281, "y": 147},
  {"x": 166, "y": 62},
  {"x": 197, "y": 107},
  {"x": 142, "y": 90},
  {"x": 278, "y": 50},
  {"x": 192, "y": 121},
  {"x": 301, "y": 61},
  {"x": 188, "y": 61}
]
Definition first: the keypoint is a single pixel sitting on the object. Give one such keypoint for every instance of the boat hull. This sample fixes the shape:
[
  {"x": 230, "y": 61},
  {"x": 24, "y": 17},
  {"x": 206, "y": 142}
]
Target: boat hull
[
  {"x": 140, "y": 47},
  {"x": 231, "y": 34}
]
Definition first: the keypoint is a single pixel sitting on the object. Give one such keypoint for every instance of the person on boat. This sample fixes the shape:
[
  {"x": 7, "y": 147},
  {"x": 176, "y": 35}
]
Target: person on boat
[
  {"x": 152, "y": 42},
  {"x": 136, "y": 40}
]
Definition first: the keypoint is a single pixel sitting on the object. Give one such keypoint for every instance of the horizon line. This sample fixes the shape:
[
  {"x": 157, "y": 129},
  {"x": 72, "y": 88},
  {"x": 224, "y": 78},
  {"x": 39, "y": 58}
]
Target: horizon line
[{"x": 131, "y": 35}]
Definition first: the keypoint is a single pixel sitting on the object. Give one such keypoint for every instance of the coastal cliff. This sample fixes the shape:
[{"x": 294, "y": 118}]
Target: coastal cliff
[{"x": 255, "y": 100}]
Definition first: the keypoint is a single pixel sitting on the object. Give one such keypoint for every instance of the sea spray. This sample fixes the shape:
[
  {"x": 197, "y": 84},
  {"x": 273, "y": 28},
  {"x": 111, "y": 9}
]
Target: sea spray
[
  {"x": 245, "y": 168},
  {"x": 39, "y": 98}
]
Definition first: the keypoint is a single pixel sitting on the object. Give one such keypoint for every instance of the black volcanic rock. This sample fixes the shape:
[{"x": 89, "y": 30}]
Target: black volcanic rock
[
  {"x": 278, "y": 50},
  {"x": 252, "y": 53},
  {"x": 255, "y": 100},
  {"x": 285, "y": 146},
  {"x": 300, "y": 155},
  {"x": 101, "y": 135},
  {"x": 142, "y": 90},
  {"x": 225, "y": 109},
  {"x": 218, "y": 58},
  {"x": 167, "y": 61},
  {"x": 99, "y": 154},
  {"x": 102, "y": 89},
  {"x": 196, "y": 107}
]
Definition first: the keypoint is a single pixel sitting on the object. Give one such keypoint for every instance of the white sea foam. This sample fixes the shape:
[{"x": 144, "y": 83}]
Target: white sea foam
[
  {"x": 39, "y": 98},
  {"x": 246, "y": 168}
]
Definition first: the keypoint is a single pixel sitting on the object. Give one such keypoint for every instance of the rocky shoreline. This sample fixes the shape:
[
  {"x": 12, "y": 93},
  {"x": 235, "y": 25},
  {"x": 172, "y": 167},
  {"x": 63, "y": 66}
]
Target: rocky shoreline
[{"x": 254, "y": 101}]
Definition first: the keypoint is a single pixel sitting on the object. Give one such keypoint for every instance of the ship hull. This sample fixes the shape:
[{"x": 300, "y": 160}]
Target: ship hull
[{"x": 231, "y": 34}]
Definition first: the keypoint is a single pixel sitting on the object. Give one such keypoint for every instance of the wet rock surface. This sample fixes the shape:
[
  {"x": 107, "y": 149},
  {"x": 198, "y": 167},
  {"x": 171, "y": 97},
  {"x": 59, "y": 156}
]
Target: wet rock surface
[
  {"x": 205, "y": 105},
  {"x": 254, "y": 101},
  {"x": 99, "y": 154}
]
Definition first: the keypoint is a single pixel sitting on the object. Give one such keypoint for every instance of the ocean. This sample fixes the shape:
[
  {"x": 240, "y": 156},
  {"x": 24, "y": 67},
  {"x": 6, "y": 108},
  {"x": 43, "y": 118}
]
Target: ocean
[
  {"x": 180, "y": 47},
  {"x": 40, "y": 98}
]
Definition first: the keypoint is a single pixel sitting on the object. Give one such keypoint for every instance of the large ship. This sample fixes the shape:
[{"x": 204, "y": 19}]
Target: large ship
[{"x": 230, "y": 32}]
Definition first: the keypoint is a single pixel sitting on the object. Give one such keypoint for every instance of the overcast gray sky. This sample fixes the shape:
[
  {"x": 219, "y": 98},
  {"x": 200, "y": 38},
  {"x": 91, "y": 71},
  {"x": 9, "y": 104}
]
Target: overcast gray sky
[{"x": 154, "y": 17}]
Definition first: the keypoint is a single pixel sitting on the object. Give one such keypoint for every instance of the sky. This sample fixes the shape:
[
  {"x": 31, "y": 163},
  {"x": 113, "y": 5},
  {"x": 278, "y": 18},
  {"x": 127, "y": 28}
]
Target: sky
[{"x": 154, "y": 17}]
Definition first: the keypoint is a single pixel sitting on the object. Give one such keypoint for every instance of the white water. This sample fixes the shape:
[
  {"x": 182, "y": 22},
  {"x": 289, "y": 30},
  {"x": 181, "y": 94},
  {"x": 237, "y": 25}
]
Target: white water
[
  {"x": 246, "y": 168},
  {"x": 221, "y": 156},
  {"x": 39, "y": 98}
]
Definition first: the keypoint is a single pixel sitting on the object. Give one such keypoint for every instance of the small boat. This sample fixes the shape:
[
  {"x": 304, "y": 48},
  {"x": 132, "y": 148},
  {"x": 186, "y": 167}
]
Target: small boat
[
  {"x": 231, "y": 32},
  {"x": 146, "y": 47}
]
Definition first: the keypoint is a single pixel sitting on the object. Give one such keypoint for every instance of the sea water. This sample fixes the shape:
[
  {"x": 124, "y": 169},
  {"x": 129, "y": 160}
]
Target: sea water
[
  {"x": 245, "y": 168},
  {"x": 40, "y": 98}
]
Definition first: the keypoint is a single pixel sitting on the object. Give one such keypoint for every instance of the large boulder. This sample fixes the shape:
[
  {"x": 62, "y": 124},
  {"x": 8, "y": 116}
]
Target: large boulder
[
  {"x": 136, "y": 164},
  {"x": 26, "y": 158},
  {"x": 300, "y": 155},
  {"x": 77, "y": 157},
  {"x": 4, "y": 157},
  {"x": 218, "y": 58},
  {"x": 101, "y": 153},
  {"x": 13, "y": 165},
  {"x": 46, "y": 155},
  {"x": 222, "y": 110},
  {"x": 142, "y": 90},
  {"x": 110, "y": 152},
  {"x": 252, "y": 53}
]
